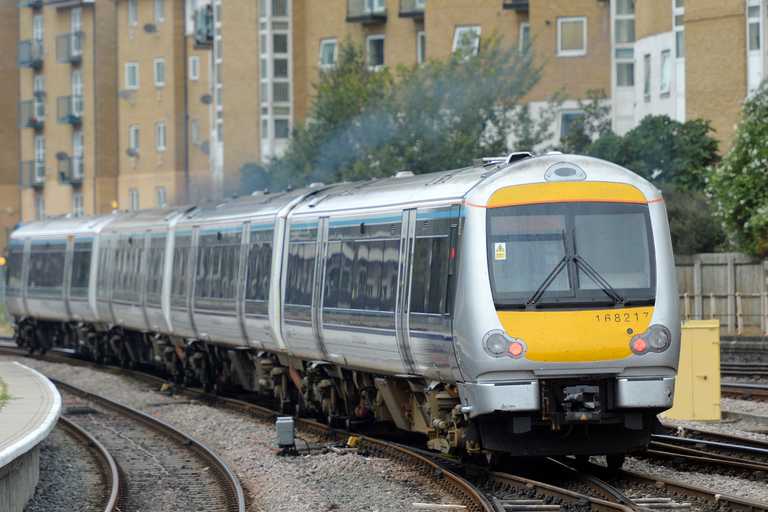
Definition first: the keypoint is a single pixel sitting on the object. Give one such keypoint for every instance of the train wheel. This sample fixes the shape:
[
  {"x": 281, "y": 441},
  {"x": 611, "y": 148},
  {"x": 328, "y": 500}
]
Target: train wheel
[{"x": 615, "y": 460}]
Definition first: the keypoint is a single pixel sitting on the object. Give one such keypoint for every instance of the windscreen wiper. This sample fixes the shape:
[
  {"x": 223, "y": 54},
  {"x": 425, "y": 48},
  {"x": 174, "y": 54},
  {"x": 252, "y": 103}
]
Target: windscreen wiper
[
  {"x": 598, "y": 279},
  {"x": 549, "y": 279}
]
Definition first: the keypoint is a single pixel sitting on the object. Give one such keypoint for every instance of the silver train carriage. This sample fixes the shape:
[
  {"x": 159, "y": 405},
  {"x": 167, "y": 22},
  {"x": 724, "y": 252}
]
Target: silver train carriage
[{"x": 524, "y": 306}]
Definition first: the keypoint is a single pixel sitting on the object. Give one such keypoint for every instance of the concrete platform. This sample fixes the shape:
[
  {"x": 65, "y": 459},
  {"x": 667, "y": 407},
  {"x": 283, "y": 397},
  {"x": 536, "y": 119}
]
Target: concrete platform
[{"x": 28, "y": 416}]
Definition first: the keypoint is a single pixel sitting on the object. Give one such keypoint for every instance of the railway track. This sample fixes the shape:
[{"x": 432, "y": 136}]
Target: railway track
[
  {"x": 155, "y": 460},
  {"x": 744, "y": 391}
]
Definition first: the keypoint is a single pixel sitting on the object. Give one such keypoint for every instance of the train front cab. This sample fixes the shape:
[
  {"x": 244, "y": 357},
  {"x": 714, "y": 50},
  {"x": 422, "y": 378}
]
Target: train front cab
[{"x": 578, "y": 326}]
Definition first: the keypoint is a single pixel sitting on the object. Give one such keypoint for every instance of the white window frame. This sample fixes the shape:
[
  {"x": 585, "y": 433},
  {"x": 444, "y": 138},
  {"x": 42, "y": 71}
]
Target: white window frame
[
  {"x": 571, "y": 53},
  {"x": 194, "y": 68},
  {"x": 37, "y": 28},
  {"x": 77, "y": 92},
  {"x": 133, "y": 199},
  {"x": 665, "y": 73},
  {"x": 368, "y": 40},
  {"x": 39, "y": 162},
  {"x": 323, "y": 44},
  {"x": 39, "y": 207},
  {"x": 647, "y": 76},
  {"x": 159, "y": 10},
  {"x": 77, "y": 204},
  {"x": 678, "y": 13},
  {"x": 524, "y": 37},
  {"x": 76, "y": 25},
  {"x": 38, "y": 86},
  {"x": 754, "y": 55},
  {"x": 133, "y": 137},
  {"x": 133, "y": 12},
  {"x": 287, "y": 123},
  {"x": 160, "y": 197},
  {"x": 375, "y": 6},
  {"x": 421, "y": 46},
  {"x": 159, "y": 67},
  {"x": 194, "y": 131},
  {"x": 78, "y": 150},
  {"x": 128, "y": 67},
  {"x": 466, "y": 30},
  {"x": 160, "y": 136}
]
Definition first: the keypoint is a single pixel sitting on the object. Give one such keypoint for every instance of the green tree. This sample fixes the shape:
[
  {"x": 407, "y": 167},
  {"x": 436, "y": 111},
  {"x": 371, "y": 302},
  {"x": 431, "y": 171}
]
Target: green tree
[
  {"x": 738, "y": 186},
  {"x": 592, "y": 124},
  {"x": 437, "y": 115}
]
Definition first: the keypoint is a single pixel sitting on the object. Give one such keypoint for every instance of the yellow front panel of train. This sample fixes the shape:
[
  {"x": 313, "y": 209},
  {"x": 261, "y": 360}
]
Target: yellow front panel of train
[{"x": 574, "y": 336}]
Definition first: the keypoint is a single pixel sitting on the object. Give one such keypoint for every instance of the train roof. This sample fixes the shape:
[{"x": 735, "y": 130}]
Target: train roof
[{"x": 68, "y": 225}]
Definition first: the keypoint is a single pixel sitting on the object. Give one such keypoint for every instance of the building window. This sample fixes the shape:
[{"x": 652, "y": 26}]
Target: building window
[
  {"x": 625, "y": 21},
  {"x": 282, "y": 129},
  {"x": 194, "y": 131},
  {"x": 77, "y": 92},
  {"x": 133, "y": 138},
  {"x": 754, "y": 54},
  {"x": 466, "y": 40},
  {"x": 280, "y": 69},
  {"x": 134, "y": 199},
  {"x": 525, "y": 37},
  {"x": 280, "y": 43},
  {"x": 77, "y": 204},
  {"x": 131, "y": 75},
  {"x": 160, "y": 136},
  {"x": 159, "y": 8},
  {"x": 666, "y": 72},
  {"x": 76, "y": 27},
  {"x": 160, "y": 196},
  {"x": 77, "y": 155},
  {"x": 375, "y": 6},
  {"x": 279, "y": 7},
  {"x": 567, "y": 118},
  {"x": 264, "y": 129},
  {"x": 39, "y": 158},
  {"x": 328, "y": 56},
  {"x": 39, "y": 207},
  {"x": 194, "y": 67},
  {"x": 281, "y": 92},
  {"x": 421, "y": 46},
  {"x": 38, "y": 87},
  {"x": 647, "y": 79},
  {"x": 133, "y": 12},
  {"x": 159, "y": 72},
  {"x": 374, "y": 46},
  {"x": 679, "y": 13},
  {"x": 37, "y": 27},
  {"x": 625, "y": 73},
  {"x": 572, "y": 36}
]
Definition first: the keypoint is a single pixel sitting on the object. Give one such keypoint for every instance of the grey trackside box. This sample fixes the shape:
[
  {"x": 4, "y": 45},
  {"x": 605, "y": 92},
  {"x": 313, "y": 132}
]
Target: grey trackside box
[{"x": 284, "y": 428}]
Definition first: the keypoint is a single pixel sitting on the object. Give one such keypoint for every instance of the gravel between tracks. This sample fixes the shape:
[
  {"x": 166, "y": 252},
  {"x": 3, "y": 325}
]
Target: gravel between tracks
[{"x": 321, "y": 481}]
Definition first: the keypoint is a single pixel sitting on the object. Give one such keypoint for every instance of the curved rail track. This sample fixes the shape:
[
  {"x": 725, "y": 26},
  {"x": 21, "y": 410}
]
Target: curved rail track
[{"x": 148, "y": 450}]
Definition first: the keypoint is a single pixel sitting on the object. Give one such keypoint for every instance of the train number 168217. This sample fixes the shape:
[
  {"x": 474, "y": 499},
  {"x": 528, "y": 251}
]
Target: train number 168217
[{"x": 621, "y": 317}]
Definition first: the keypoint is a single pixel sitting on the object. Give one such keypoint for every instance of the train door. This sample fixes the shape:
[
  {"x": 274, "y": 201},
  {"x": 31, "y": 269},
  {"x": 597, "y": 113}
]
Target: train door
[
  {"x": 145, "y": 265},
  {"x": 241, "y": 278},
  {"x": 67, "y": 282},
  {"x": 402, "y": 329},
  {"x": 317, "y": 300}
]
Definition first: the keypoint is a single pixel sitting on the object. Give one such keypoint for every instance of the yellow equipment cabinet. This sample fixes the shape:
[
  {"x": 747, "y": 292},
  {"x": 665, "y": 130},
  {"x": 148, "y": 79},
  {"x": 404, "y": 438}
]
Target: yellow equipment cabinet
[{"x": 697, "y": 387}]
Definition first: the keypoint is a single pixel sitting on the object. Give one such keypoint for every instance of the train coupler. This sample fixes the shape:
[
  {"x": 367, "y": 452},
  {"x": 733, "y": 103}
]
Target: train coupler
[{"x": 581, "y": 403}]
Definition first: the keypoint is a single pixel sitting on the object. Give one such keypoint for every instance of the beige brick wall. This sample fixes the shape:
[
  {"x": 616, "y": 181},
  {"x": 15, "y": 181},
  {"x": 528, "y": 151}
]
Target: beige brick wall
[
  {"x": 9, "y": 129},
  {"x": 715, "y": 64},
  {"x": 652, "y": 17}
]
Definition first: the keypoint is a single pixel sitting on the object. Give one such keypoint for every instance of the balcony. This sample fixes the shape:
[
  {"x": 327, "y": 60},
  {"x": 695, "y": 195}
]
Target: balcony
[
  {"x": 31, "y": 114},
  {"x": 366, "y": 11},
  {"x": 31, "y": 53},
  {"x": 411, "y": 9},
  {"x": 517, "y": 5},
  {"x": 70, "y": 169},
  {"x": 204, "y": 27},
  {"x": 30, "y": 3},
  {"x": 69, "y": 109},
  {"x": 69, "y": 48},
  {"x": 31, "y": 174}
]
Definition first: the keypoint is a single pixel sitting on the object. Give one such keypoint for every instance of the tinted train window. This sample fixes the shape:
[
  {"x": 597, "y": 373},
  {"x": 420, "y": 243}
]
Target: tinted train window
[
  {"x": 259, "y": 269},
  {"x": 104, "y": 281},
  {"x": 15, "y": 260},
  {"x": 217, "y": 262},
  {"x": 181, "y": 252},
  {"x": 46, "y": 265},
  {"x": 359, "y": 275},
  {"x": 332, "y": 275},
  {"x": 430, "y": 275},
  {"x": 301, "y": 273},
  {"x": 155, "y": 265},
  {"x": 81, "y": 264}
]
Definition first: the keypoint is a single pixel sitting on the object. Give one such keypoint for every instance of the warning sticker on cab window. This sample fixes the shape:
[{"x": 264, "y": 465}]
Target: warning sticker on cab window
[{"x": 500, "y": 250}]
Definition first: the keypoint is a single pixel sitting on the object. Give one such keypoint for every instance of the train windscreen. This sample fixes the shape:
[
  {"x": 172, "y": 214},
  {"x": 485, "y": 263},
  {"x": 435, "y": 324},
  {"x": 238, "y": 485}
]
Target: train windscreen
[{"x": 571, "y": 255}]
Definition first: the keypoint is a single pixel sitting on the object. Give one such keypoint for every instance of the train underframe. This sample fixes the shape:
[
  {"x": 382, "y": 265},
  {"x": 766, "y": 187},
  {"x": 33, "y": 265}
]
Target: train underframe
[{"x": 576, "y": 417}]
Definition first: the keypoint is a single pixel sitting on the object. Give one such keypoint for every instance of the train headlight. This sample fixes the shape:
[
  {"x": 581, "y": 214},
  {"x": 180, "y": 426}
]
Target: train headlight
[
  {"x": 499, "y": 344},
  {"x": 656, "y": 339}
]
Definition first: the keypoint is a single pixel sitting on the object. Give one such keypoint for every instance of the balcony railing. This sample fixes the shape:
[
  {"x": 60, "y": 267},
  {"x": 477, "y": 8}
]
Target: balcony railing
[
  {"x": 31, "y": 174},
  {"x": 69, "y": 48},
  {"x": 204, "y": 27},
  {"x": 366, "y": 11},
  {"x": 30, "y": 3},
  {"x": 412, "y": 8},
  {"x": 518, "y": 5},
  {"x": 31, "y": 53},
  {"x": 31, "y": 114},
  {"x": 70, "y": 170},
  {"x": 69, "y": 109}
]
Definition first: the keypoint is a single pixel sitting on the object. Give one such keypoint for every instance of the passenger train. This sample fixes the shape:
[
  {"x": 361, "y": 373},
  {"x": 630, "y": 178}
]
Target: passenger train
[{"x": 523, "y": 305}]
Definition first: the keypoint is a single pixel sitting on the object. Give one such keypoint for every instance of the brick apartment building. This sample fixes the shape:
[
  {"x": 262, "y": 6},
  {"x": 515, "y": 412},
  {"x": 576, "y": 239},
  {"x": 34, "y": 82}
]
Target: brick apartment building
[{"x": 138, "y": 103}]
